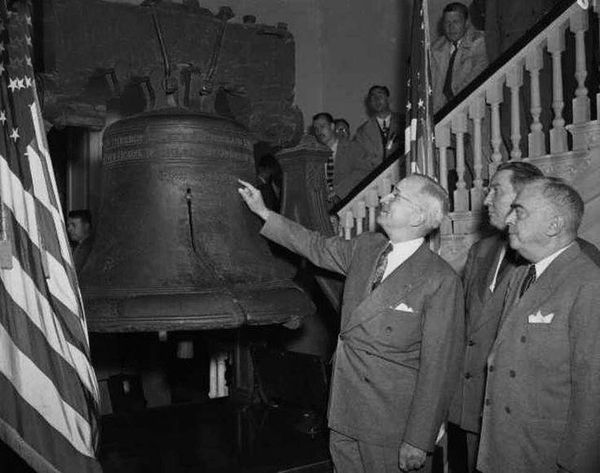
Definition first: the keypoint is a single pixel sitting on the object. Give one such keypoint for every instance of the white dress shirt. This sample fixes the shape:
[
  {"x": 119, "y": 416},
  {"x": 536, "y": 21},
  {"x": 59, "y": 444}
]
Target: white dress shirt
[
  {"x": 400, "y": 253},
  {"x": 541, "y": 265}
]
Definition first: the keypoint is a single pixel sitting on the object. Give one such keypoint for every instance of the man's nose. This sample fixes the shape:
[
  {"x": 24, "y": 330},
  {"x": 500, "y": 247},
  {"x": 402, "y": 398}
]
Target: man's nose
[
  {"x": 510, "y": 218},
  {"x": 386, "y": 198}
]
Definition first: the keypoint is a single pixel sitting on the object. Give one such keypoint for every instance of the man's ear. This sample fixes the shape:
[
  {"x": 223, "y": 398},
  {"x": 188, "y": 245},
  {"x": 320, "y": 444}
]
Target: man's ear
[
  {"x": 555, "y": 226},
  {"x": 417, "y": 219}
]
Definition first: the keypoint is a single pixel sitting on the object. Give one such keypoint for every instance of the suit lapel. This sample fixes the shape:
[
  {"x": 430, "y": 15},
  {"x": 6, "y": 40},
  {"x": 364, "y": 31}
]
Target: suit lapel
[
  {"x": 540, "y": 290},
  {"x": 400, "y": 282},
  {"x": 488, "y": 262}
]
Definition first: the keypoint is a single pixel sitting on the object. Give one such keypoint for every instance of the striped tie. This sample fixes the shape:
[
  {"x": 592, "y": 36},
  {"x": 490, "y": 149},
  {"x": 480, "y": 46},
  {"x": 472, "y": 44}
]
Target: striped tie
[
  {"x": 381, "y": 265},
  {"x": 329, "y": 168}
]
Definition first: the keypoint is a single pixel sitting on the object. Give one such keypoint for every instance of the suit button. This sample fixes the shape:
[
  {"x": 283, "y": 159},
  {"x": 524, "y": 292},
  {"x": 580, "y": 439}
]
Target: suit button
[
  {"x": 467, "y": 375},
  {"x": 488, "y": 402},
  {"x": 512, "y": 373},
  {"x": 367, "y": 380},
  {"x": 507, "y": 409},
  {"x": 388, "y": 329},
  {"x": 471, "y": 343},
  {"x": 523, "y": 339},
  {"x": 491, "y": 368}
]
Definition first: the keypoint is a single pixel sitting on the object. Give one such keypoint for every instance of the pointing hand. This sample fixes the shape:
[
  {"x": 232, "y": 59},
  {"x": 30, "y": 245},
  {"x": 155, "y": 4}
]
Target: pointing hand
[{"x": 253, "y": 199}]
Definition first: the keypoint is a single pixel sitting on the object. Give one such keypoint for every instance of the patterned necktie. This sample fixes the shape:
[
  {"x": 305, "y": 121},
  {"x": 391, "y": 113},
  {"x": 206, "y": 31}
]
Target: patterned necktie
[
  {"x": 381, "y": 265},
  {"x": 528, "y": 281},
  {"x": 448, "y": 82},
  {"x": 329, "y": 170}
]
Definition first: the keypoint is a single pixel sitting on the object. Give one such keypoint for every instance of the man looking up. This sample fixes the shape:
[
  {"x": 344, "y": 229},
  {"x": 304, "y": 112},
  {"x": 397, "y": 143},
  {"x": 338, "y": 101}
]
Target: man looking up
[
  {"x": 400, "y": 342},
  {"x": 541, "y": 411},
  {"x": 489, "y": 265},
  {"x": 348, "y": 162},
  {"x": 380, "y": 135}
]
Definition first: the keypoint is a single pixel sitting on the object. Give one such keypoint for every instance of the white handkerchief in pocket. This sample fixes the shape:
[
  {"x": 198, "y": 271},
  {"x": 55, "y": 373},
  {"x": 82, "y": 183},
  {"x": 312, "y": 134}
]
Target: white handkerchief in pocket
[
  {"x": 402, "y": 306},
  {"x": 538, "y": 318}
]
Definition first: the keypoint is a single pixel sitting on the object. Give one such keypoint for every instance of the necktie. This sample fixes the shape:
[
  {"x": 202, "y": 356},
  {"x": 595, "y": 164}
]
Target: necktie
[
  {"x": 528, "y": 281},
  {"x": 381, "y": 265},
  {"x": 384, "y": 129},
  {"x": 329, "y": 170},
  {"x": 448, "y": 82}
]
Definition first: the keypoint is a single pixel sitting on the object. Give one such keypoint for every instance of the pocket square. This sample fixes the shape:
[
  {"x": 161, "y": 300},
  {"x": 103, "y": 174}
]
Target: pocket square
[
  {"x": 402, "y": 306},
  {"x": 538, "y": 318}
]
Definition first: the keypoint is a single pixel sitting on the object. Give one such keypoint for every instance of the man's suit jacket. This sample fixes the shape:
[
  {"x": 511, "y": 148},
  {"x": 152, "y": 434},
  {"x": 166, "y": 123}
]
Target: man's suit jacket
[
  {"x": 470, "y": 61},
  {"x": 542, "y": 406},
  {"x": 482, "y": 313},
  {"x": 368, "y": 136},
  {"x": 351, "y": 166},
  {"x": 400, "y": 346}
]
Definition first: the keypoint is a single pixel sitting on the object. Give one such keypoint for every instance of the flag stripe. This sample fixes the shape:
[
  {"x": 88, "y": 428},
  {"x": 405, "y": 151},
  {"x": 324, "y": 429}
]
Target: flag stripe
[
  {"x": 24, "y": 251},
  {"x": 32, "y": 342},
  {"x": 40, "y": 392},
  {"x": 42, "y": 449},
  {"x": 23, "y": 292},
  {"x": 23, "y": 206}
]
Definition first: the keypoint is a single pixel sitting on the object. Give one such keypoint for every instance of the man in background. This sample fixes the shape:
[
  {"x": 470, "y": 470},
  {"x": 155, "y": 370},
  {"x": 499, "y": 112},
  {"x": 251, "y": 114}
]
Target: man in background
[
  {"x": 381, "y": 134},
  {"x": 79, "y": 228},
  {"x": 348, "y": 163},
  {"x": 342, "y": 128}
]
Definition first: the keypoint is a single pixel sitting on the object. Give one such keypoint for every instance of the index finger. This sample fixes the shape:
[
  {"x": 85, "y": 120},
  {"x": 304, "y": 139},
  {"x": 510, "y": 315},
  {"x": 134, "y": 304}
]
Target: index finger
[{"x": 247, "y": 185}]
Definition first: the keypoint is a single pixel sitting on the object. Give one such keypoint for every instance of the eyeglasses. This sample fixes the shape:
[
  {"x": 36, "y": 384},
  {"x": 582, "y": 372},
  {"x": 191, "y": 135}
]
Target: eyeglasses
[{"x": 396, "y": 194}]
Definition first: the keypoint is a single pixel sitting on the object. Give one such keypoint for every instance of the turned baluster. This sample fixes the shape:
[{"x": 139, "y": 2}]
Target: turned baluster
[
  {"x": 494, "y": 97},
  {"x": 514, "y": 80},
  {"x": 476, "y": 113},
  {"x": 372, "y": 201},
  {"x": 348, "y": 224},
  {"x": 536, "y": 140},
  {"x": 581, "y": 102},
  {"x": 461, "y": 194},
  {"x": 442, "y": 142},
  {"x": 360, "y": 212},
  {"x": 558, "y": 133}
]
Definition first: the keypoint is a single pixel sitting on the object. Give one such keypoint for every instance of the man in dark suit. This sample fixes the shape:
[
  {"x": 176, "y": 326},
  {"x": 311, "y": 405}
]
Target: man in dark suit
[
  {"x": 79, "y": 228},
  {"x": 348, "y": 163},
  {"x": 381, "y": 134},
  {"x": 489, "y": 265},
  {"x": 401, "y": 333},
  {"x": 542, "y": 411}
]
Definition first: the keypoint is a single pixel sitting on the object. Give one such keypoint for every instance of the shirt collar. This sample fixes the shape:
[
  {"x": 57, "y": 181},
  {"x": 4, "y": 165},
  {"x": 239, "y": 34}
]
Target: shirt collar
[{"x": 543, "y": 264}]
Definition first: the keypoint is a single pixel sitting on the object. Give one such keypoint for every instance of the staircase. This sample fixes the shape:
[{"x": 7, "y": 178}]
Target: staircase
[{"x": 553, "y": 57}]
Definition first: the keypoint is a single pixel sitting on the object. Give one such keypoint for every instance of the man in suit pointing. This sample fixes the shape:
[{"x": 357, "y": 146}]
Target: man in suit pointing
[
  {"x": 541, "y": 410},
  {"x": 400, "y": 342}
]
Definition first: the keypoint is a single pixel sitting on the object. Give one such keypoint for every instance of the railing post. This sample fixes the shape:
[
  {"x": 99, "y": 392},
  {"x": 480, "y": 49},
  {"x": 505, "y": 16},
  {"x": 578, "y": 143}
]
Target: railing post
[
  {"x": 581, "y": 102},
  {"x": 536, "y": 141},
  {"x": 372, "y": 201},
  {"x": 476, "y": 113},
  {"x": 558, "y": 133},
  {"x": 461, "y": 195},
  {"x": 494, "y": 96},
  {"x": 514, "y": 80},
  {"x": 442, "y": 142}
]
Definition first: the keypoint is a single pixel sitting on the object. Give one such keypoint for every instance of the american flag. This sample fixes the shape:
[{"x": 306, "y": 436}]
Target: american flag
[
  {"x": 418, "y": 135},
  {"x": 48, "y": 389}
]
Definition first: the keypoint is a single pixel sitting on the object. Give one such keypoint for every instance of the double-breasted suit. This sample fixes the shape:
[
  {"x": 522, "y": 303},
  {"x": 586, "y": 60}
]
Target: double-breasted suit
[
  {"x": 400, "y": 345},
  {"x": 542, "y": 401},
  {"x": 368, "y": 135},
  {"x": 483, "y": 308}
]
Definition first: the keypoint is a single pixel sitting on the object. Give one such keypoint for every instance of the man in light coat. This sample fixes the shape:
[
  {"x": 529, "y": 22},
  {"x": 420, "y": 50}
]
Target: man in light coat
[
  {"x": 400, "y": 342},
  {"x": 541, "y": 410}
]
